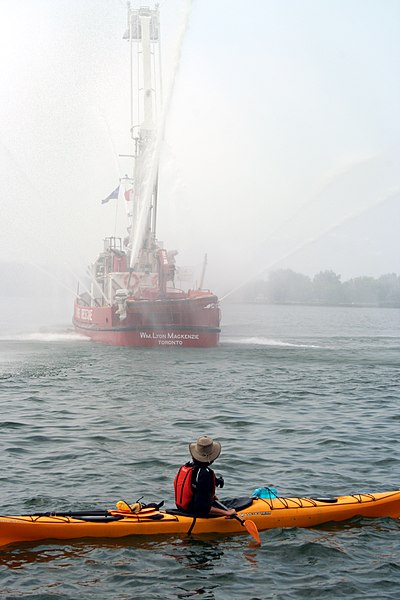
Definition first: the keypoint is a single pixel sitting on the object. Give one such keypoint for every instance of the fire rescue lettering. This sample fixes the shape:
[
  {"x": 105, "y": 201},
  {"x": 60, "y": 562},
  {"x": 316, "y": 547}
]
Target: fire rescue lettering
[{"x": 85, "y": 314}]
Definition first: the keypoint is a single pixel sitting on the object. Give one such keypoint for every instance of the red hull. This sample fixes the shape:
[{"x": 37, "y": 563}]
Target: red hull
[{"x": 190, "y": 323}]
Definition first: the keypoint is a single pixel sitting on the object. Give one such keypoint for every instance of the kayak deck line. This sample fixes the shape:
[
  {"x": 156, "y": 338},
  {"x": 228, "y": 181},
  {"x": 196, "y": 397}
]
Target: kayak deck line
[
  {"x": 279, "y": 512},
  {"x": 307, "y": 502}
]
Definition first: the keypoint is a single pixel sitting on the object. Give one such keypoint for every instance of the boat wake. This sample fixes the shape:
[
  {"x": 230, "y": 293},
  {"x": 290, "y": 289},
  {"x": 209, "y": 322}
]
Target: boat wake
[
  {"x": 261, "y": 341},
  {"x": 51, "y": 336}
]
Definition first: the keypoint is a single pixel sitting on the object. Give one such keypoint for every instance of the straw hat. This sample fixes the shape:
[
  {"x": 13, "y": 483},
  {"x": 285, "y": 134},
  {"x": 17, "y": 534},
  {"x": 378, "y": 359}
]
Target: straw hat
[{"x": 205, "y": 449}]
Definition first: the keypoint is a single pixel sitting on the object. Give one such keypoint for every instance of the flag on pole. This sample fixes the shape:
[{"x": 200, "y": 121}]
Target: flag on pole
[
  {"x": 112, "y": 196},
  {"x": 129, "y": 195}
]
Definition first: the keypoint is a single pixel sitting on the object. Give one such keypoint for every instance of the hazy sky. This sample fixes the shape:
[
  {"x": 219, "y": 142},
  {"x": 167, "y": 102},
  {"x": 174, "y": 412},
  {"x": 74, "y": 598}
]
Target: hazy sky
[{"x": 282, "y": 145}]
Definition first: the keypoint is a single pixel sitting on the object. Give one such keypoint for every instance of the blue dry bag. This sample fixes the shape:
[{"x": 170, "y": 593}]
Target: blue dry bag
[{"x": 265, "y": 492}]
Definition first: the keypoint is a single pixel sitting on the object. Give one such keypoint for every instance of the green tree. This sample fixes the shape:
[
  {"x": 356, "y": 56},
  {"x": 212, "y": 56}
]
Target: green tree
[
  {"x": 327, "y": 288},
  {"x": 389, "y": 289},
  {"x": 361, "y": 290},
  {"x": 285, "y": 285}
]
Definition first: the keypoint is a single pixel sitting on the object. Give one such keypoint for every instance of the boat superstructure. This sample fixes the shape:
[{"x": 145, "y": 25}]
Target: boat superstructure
[{"x": 132, "y": 299}]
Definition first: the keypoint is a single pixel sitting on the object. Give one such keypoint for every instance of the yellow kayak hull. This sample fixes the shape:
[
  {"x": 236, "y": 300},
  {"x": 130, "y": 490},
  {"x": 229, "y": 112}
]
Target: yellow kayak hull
[{"x": 265, "y": 513}]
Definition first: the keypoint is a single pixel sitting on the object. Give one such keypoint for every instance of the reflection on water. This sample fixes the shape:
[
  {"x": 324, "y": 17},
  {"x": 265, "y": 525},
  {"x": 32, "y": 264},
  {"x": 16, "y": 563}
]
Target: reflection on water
[
  {"x": 251, "y": 558},
  {"x": 25, "y": 554},
  {"x": 197, "y": 554}
]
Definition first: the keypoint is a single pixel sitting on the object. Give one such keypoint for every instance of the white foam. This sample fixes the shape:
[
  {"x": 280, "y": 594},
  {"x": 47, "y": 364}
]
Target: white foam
[
  {"x": 260, "y": 341},
  {"x": 45, "y": 337}
]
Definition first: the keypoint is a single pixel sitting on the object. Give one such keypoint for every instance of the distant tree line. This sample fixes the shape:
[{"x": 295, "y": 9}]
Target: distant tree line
[{"x": 288, "y": 287}]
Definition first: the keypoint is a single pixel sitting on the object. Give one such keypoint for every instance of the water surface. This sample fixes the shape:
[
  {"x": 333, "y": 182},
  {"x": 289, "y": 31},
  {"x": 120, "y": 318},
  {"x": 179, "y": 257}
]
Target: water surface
[{"x": 304, "y": 398}]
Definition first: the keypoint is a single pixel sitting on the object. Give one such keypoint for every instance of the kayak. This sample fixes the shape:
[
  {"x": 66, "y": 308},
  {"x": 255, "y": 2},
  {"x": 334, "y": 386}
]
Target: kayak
[{"x": 266, "y": 513}]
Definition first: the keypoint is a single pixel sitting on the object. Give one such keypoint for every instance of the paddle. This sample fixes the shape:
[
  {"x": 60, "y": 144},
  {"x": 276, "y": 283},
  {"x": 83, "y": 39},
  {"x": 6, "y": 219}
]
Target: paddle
[{"x": 249, "y": 525}]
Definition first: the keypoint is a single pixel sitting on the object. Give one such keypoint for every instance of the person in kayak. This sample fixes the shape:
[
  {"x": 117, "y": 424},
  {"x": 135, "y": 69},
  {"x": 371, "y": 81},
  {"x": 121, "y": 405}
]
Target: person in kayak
[{"x": 195, "y": 483}]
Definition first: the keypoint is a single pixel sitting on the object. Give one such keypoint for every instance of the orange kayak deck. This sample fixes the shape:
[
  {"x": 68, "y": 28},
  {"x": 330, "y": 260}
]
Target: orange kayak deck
[{"x": 265, "y": 513}]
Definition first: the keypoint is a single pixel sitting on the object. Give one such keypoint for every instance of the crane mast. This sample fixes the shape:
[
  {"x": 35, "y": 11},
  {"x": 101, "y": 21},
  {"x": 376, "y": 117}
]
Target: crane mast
[{"x": 145, "y": 85}]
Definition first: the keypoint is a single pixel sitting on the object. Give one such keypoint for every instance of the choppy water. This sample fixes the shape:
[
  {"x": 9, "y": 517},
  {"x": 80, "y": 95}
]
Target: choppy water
[{"x": 303, "y": 398}]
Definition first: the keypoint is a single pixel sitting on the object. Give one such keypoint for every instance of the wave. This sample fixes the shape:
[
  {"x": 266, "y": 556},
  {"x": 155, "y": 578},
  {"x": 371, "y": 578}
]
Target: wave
[
  {"x": 261, "y": 341},
  {"x": 51, "y": 336}
]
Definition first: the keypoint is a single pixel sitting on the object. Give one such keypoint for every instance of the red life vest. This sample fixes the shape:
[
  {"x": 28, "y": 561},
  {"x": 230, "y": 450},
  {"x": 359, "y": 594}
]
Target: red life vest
[{"x": 184, "y": 486}]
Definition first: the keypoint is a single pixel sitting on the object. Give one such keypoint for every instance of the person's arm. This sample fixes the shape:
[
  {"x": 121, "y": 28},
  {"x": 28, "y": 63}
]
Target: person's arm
[
  {"x": 214, "y": 510},
  {"x": 204, "y": 497},
  {"x": 203, "y": 493}
]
